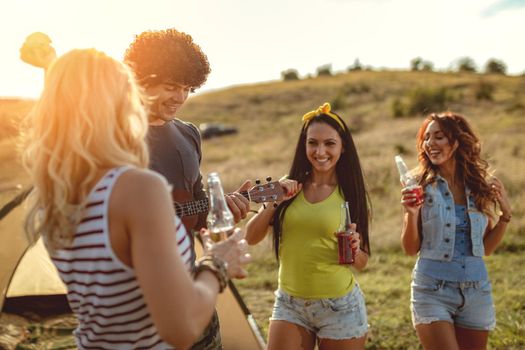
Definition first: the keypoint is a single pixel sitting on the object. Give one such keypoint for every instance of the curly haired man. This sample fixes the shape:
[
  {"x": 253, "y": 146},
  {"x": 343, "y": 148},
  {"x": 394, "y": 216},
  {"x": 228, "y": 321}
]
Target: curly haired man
[{"x": 169, "y": 66}]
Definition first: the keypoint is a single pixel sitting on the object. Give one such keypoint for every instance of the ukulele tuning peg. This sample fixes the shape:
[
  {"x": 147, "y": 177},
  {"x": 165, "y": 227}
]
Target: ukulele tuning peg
[
  {"x": 257, "y": 181},
  {"x": 269, "y": 178}
]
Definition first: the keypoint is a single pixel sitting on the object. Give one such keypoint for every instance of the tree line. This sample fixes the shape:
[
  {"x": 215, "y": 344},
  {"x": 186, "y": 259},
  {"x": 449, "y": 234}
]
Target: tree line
[{"x": 462, "y": 65}]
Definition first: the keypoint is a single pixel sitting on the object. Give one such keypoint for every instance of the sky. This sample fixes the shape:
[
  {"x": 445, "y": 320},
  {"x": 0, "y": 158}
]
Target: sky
[{"x": 250, "y": 41}]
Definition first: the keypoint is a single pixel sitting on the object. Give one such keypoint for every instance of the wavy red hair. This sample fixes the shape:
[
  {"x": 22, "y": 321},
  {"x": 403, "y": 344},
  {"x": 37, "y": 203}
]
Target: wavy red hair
[{"x": 470, "y": 166}]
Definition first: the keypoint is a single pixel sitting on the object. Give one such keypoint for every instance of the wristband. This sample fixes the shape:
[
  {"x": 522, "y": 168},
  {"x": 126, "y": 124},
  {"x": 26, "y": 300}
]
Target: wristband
[
  {"x": 506, "y": 219},
  {"x": 218, "y": 267}
]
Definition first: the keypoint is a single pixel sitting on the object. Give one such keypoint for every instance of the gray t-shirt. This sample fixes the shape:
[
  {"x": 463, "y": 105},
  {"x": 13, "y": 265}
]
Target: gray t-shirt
[{"x": 175, "y": 152}]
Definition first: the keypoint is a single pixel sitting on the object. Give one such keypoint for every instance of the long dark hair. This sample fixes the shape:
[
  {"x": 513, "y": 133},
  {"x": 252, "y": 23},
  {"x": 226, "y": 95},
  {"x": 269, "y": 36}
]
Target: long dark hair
[
  {"x": 349, "y": 177},
  {"x": 471, "y": 168}
]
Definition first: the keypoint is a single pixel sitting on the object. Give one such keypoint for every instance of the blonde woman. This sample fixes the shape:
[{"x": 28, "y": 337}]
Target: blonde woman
[{"x": 107, "y": 221}]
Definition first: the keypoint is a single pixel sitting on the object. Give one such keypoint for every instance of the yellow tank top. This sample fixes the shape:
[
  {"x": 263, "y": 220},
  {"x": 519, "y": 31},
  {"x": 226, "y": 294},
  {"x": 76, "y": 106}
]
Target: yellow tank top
[{"x": 309, "y": 266}]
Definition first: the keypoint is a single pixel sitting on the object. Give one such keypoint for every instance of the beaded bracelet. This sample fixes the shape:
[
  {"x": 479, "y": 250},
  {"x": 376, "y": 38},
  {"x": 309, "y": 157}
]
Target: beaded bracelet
[
  {"x": 218, "y": 267},
  {"x": 505, "y": 218}
]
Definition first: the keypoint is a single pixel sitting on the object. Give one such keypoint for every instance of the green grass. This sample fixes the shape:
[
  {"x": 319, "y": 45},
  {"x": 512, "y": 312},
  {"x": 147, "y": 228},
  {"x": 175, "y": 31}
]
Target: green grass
[{"x": 386, "y": 285}]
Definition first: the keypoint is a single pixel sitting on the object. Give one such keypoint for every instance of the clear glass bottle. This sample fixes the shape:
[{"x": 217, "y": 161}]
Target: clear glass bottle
[
  {"x": 408, "y": 180},
  {"x": 220, "y": 219},
  {"x": 344, "y": 242}
]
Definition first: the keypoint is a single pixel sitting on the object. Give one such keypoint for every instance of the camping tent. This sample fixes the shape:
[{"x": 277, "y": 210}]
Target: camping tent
[
  {"x": 29, "y": 280},
  {"x": 26, "y": 274}
]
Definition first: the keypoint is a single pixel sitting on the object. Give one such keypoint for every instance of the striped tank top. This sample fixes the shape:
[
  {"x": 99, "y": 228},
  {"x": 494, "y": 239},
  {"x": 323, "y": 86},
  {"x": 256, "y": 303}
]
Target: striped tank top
[{"x": 102, "y": 291}]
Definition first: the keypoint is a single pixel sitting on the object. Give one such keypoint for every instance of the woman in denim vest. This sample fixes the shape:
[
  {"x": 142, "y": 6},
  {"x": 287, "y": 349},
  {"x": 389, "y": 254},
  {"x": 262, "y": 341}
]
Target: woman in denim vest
[{"x": 455, "y": 225}]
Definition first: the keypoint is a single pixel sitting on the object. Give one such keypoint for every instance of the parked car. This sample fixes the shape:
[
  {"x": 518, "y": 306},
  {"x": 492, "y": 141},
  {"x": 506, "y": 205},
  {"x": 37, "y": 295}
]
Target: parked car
[{"x": 209, "y": 130}]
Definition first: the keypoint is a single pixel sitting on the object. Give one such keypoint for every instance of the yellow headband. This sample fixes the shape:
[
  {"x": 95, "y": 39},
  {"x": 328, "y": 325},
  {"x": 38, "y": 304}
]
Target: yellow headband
[{"x": 324, "y": 109}]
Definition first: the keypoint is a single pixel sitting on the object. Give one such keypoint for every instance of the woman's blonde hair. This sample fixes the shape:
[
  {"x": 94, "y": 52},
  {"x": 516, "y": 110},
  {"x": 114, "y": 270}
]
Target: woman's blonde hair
[{"x": 89, "y": 118}]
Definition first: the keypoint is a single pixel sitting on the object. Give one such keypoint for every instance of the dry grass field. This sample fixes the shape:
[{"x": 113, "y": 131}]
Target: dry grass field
[{"x": 383, "y": 109}]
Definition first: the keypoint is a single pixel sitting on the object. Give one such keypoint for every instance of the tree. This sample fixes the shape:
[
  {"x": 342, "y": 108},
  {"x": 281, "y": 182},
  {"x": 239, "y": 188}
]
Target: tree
[
  {"x": 415, "y": 63},
  {"x": 356, "y": 66},
  {"x": 466, "y": 64},
  {"x": 495, "y": 66},
  {"x": 290, "y": 74},
  {"x": 427, "y": 66},
  {"x": 325, "y": 70}
]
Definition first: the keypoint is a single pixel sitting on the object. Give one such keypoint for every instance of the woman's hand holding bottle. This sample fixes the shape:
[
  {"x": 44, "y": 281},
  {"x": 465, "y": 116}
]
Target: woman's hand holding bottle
[
  {"x": 232, "y": 251},
  {"x": 412, "y": 196},
  {"x": 502, "y": 198},
  {"x": 355, "y": 238},
  {"x": 411, "y": 200}
]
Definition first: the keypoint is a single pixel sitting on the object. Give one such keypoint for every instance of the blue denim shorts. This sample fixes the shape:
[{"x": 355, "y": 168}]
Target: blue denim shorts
[
  {"x": 331, "y": 318},
  {"x": 465, "y": 304}
]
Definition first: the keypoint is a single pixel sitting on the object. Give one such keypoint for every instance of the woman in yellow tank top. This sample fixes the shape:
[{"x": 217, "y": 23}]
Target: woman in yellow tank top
[{"x": 318, "y": 300}]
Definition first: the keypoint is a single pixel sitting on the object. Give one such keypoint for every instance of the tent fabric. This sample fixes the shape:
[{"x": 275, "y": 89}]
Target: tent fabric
[
  {"x": 13, "y": 245},
  {"x": 28, "y": 272},
  {"x": 36, "y": 275}
]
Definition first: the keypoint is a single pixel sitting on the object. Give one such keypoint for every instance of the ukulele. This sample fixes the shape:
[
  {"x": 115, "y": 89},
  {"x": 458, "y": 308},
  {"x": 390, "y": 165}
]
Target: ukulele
[{"x": 188, "y": 210}]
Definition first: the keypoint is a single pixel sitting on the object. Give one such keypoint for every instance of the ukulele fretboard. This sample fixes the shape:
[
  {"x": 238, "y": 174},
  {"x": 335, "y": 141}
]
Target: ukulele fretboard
[{"x": 197, "y": 207}]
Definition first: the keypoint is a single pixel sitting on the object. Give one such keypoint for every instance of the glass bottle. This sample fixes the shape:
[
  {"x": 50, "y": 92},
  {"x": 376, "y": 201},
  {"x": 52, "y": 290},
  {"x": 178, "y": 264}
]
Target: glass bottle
[
  {"x": 408, "y": 180},
  {"x": 219, "y": 219},
  {"x": 346, "y": 254}
]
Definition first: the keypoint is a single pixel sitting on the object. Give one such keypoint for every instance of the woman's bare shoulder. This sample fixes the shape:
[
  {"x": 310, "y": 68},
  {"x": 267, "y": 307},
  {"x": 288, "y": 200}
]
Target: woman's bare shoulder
[
  {"x": 140, "y": 185},
  {"x": 138, "y": 175}
]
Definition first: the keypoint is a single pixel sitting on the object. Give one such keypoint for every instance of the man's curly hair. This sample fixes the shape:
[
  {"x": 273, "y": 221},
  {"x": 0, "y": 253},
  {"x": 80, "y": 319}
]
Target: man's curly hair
[{"x": 167, "y": 56}]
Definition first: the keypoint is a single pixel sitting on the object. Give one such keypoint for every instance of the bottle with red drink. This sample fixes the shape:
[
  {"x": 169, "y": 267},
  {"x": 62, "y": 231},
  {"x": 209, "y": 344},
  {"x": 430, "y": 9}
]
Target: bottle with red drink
[
  {"x": 220, "y": 218},
  {"x": 344, "y": 237},
  {"x": 409, "y": 181}
]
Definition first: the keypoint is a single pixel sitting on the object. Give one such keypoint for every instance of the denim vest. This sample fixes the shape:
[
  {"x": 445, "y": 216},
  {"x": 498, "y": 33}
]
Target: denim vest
[
  {"x": 439, "y": 223},
  {"x": 464, "y": 267}
]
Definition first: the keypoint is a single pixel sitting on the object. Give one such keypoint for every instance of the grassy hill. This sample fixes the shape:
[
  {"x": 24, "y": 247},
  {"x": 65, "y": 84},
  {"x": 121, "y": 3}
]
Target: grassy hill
[{"x": 384, "y": 111}]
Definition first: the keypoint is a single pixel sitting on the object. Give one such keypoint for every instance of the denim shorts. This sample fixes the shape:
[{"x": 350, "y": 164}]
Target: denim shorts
[
  {"x": 330, "y": 318},
  {"x": 465, "y": 304}
]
